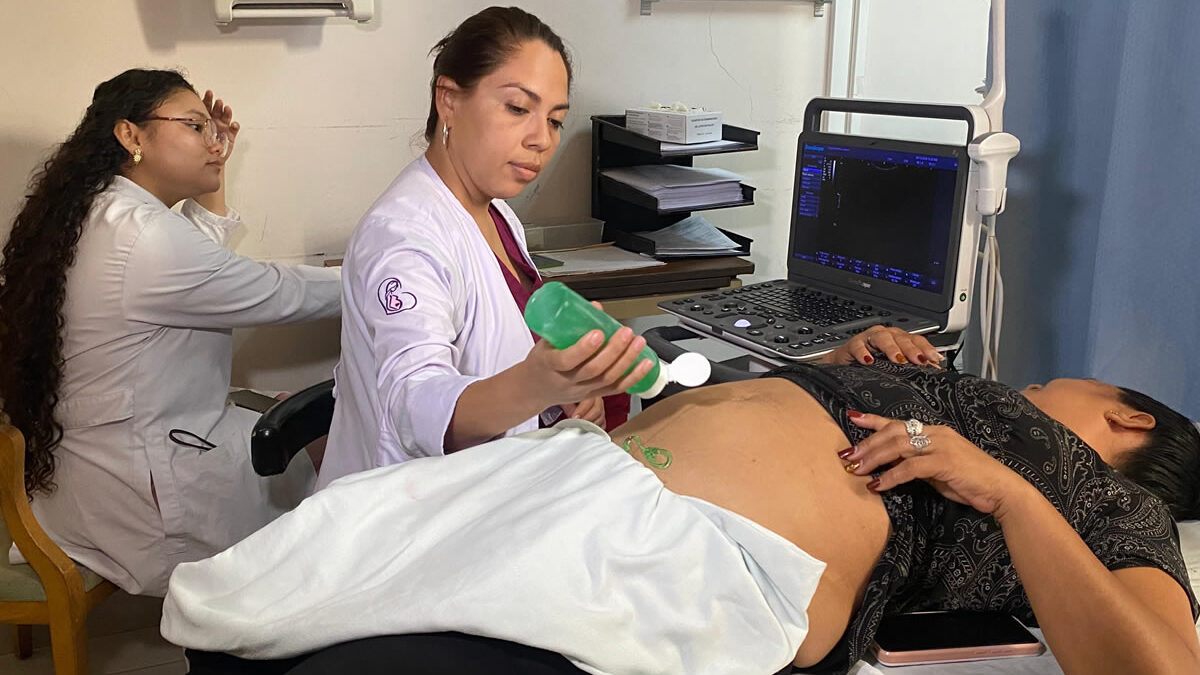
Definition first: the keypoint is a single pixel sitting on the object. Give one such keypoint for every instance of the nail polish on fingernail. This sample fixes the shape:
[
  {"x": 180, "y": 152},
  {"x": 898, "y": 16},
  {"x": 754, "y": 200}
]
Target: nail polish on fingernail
[
  {"x": 846, "y": 453},
  {"x": 853, "y": 414},
  {"x": 851, "y": 467},
  {"x": 921, "y": 358},
  {"x": 873, "y": 485},
  {"x": 900, "y": 359},
  {"x": 868, "y": 359}
]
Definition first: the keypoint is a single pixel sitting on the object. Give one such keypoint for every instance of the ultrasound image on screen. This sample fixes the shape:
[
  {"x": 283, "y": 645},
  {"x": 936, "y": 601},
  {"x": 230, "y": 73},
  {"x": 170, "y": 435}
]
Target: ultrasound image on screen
[{"x": 878, "y": 213}]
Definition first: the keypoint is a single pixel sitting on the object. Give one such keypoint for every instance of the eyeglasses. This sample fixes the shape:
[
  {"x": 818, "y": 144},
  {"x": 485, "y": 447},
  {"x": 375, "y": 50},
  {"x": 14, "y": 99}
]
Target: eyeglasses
[{"x": 205, "y": 127}]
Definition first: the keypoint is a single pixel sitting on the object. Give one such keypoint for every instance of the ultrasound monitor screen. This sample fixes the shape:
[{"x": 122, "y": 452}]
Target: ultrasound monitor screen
[{"x": 875, "y": 212}]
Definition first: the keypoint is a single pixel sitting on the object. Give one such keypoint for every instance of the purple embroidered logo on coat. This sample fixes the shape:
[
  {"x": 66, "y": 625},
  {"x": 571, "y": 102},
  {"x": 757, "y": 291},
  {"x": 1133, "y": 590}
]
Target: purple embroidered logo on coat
[{"x": 392, "y": 299}]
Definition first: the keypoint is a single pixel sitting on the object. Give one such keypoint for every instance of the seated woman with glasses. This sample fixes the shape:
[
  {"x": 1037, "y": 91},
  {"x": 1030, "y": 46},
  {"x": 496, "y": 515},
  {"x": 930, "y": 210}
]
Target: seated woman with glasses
[{"x": 116, "y": 318}]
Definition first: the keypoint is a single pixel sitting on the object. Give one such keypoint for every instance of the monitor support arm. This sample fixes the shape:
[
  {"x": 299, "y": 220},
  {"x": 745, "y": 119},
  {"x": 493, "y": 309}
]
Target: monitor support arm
[
  {"x": 993, "y": 148},
  {"x": 991, "y": 151}
]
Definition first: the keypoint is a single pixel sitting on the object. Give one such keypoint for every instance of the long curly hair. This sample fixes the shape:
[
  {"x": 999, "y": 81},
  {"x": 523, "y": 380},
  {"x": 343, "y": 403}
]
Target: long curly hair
[{"x": 41, "y": 248}]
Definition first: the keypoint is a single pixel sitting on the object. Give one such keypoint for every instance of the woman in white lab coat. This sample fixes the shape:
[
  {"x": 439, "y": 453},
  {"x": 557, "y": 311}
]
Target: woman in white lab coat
[
  {"x": 116, "y": 316},
  {"x": 435, "y": 356}
]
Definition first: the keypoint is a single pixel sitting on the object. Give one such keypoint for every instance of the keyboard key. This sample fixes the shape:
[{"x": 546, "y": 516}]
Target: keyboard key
[{"x": 749, "y": 322}]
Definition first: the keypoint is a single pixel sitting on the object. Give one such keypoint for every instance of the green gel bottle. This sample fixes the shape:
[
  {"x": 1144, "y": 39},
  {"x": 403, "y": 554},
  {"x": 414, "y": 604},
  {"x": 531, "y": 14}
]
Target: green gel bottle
[{"x": 561, "y": 316}]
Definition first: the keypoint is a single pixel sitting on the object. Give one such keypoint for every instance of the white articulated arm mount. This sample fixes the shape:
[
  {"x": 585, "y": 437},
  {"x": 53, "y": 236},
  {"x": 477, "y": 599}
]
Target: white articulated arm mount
[{"x": 992, "y": 150}]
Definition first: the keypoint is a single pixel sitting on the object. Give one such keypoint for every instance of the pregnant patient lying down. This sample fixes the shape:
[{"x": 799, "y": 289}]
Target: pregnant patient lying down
[{"x": 740, "y": 527}]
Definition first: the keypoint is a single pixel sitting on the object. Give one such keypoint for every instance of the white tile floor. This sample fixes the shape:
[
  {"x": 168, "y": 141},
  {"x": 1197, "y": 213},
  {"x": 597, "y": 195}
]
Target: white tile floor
[{"x": 122, "y": 638}]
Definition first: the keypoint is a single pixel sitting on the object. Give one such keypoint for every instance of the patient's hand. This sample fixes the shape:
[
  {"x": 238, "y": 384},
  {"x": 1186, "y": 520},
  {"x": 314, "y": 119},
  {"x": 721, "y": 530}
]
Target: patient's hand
[
  {"x": 954, "y": 466},
  {"x": 893, "y": 343}
]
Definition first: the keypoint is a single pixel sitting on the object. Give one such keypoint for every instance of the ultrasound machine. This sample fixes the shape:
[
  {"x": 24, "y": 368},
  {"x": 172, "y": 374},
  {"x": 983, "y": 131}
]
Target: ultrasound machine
[{"x": 883, "y": 231}]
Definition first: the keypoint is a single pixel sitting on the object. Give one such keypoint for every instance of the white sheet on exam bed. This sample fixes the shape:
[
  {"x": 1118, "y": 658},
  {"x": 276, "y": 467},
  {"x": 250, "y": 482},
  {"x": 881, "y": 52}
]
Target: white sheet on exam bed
[
  {"x": 1189, "y": 542},
  {"x": 628, "y": 577}
]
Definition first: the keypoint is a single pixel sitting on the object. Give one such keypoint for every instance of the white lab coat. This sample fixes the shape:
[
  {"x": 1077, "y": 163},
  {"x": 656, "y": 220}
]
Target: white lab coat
[
  {"x": 426, "y": 312},
  {"x": 151, "y": 301}
]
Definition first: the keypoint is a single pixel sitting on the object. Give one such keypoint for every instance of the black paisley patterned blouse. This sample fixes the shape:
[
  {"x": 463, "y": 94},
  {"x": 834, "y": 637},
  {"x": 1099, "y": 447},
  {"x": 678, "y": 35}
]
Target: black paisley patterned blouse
[{"x": 944, "y": 555}]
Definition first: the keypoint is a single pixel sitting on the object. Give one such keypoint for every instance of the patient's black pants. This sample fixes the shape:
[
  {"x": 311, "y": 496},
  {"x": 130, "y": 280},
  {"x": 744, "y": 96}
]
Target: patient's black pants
[{"x": 421, "y": 654}]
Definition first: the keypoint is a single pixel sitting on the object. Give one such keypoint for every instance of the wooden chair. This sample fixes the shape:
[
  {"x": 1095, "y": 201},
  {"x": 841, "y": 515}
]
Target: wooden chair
[{"x": 51, "y": 589}]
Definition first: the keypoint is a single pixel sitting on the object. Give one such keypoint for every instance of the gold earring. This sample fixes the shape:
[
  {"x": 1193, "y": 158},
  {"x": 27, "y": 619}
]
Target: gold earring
[
  {"x": 445, "y": 134},
  {"x": 137, "y": 156}
]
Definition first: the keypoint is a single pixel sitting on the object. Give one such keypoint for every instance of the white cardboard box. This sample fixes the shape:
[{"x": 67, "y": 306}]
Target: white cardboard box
[
  {"x": 637, "y": 120},
  {"x": 693, "y": 126}
]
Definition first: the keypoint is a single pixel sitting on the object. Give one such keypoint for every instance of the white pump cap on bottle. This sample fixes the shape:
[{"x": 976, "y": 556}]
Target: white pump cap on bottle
[{"x": 690, "y": 369}]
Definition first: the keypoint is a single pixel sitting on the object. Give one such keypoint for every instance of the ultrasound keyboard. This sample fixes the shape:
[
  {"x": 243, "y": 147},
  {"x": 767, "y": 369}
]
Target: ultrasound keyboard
[{"x": 787, "y": 320}]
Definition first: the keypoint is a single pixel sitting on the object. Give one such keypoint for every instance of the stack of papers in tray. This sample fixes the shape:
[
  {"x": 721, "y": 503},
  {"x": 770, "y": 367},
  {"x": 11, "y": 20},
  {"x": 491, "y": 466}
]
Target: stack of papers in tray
[
  {"x": 592, "y": 259},
  {"x": 692, "y": 236},
  {"x": 681, "y": 187}
]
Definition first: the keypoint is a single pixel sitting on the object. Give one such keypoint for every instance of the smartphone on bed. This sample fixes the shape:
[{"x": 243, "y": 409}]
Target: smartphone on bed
[{"x": 945, "y": 637}]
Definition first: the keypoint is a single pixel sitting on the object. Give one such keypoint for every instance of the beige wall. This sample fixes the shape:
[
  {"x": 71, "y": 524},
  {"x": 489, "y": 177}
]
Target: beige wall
[
  {"x": 901, "y": 43},
  {"x": 330, "y": 110}
]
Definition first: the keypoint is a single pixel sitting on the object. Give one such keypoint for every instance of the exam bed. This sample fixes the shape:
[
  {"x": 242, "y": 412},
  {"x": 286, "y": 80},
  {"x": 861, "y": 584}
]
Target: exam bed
[{"x": 288, "y": 427}]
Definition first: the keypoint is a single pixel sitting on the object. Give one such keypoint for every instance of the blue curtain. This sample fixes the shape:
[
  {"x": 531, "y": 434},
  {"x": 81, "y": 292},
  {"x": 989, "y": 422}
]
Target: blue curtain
[{"x": 1100, "y": 245}]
